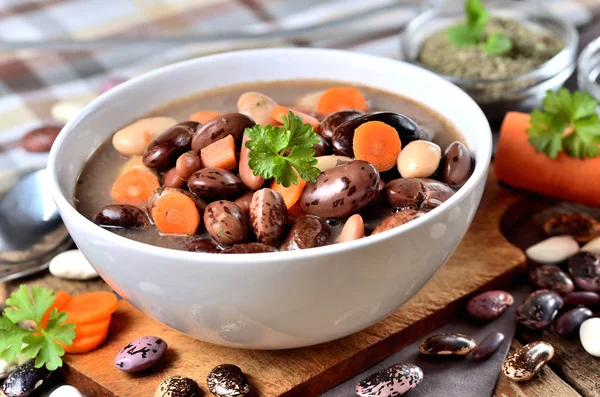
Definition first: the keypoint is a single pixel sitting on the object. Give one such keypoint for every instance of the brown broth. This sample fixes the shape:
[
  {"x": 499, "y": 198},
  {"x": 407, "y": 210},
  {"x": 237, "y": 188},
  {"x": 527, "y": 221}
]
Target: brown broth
[{"x": 95, "y": 181}]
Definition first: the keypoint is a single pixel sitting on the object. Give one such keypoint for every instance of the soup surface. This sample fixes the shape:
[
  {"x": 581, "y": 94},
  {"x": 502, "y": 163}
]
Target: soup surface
[{"x": 95, "y": 188}]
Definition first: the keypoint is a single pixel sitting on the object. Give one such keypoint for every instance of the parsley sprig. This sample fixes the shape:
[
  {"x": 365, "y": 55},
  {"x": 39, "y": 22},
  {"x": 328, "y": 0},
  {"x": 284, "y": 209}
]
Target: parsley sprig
[
  {"x": 573, "y": 113},
  {"x": 25, "y": 304},
  {"x": 275, "y": 152},
  {"x": 471, "y": 33}
]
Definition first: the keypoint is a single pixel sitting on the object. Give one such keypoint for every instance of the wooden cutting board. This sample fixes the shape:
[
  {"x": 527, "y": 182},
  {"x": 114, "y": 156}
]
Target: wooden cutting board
[{"x": 483, "y": 260}]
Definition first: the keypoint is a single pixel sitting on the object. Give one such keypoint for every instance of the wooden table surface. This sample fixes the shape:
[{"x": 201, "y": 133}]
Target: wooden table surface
[{"x": 572, "y": 372}]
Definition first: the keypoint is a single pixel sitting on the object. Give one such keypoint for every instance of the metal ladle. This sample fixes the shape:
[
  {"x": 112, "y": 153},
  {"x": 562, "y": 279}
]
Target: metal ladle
[{"x": 31, "y": 230}]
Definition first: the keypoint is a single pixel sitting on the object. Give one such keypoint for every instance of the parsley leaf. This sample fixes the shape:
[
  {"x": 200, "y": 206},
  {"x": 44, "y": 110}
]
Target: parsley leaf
[
  {"x": 471, "y": 33},
  {"x": 40, "y": 343},
  {"x": 283, "y": 153},
  {"x": 497, "y": 44},
  {"x": 567, "y": 121}
]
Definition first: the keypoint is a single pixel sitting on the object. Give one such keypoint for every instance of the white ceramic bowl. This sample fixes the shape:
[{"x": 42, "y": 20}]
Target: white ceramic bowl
[{"x": 275, "y": 300}]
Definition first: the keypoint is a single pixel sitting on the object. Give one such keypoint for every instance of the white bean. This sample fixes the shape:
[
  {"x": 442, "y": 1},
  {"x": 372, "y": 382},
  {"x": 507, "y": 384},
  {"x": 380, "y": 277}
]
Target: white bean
[
  {"x": 354, "y": 229},
  {"x": 419, "y": 159},
  {"x": 257, "y": 106},
  {"x": 133, "y": 139}
]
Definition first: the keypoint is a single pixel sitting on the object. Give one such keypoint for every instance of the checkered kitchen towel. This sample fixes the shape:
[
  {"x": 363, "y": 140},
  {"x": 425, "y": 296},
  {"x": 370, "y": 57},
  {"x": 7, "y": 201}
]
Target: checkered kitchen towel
[{"x": 31, "y": 82}]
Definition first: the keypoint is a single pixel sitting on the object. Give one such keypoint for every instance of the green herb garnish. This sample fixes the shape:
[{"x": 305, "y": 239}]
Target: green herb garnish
[
  {"x": 275, "y": 152},
  {"x": 41, "y": 342},
  {"x": 563, "y": 112},
  {"x": 471, "y": 33}
]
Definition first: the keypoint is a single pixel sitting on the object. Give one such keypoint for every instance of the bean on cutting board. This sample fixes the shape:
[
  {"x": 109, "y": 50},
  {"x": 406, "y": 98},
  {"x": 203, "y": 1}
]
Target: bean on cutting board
[
  {"x": 539, "y": 309},
  {"x": 488, "y": 346},
  {"x": 527, "y": 361},
  {"x": 40, "y": 139},
  {"x": 447, "y": 344}
]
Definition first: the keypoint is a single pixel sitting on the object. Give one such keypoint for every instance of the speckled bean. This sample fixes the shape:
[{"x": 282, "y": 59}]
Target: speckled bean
[
  {"x": 215, "y": 183},
  {"x": 539, "y": 309},
  {"x": 268, "y": 216},
  {"x": 121, "y": 216},
  {"x": 489, "y": 305},
  {"x": 551, "y": 277},
  {"x": 226, "y": 222},
  {"x": 307, "y": 232},
  {"x": 457, "y": 165},
  {"x": 163, "y": 151},
  {"x": 218, "y": 128},
  {"x": 447, "y": 344},
  {"x": 582, "y": 227},
  {"x": 249, "y": 248},
  {"x": 527, "y": 361},
  {"x": 397, "y": 219},
  {"x": 584, "y": 267},
  {"x": 340, "y": 191},
  {"x": 416, "y": 193}
]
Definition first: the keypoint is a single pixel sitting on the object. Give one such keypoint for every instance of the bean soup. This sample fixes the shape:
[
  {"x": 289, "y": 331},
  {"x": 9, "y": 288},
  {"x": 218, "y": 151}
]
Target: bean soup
[{"x": 264, "y": 167}]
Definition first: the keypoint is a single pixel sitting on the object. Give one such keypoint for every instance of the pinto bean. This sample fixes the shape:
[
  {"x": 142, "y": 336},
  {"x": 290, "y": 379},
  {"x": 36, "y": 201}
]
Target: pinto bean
[
  {"x": 121, "y": 216},
  {"x": 340, "y": 191},
  {"x": 133, "y": 139},
  {"x": 226, "y": 222},
  {"x": 244, "y": 202},
  {"x": 218, "y": 128},
  {"x": 307, "y": 232},
  {"x": 397, "y": 219},
  {"x": 268, "y": 216},
  {"x": 249, "y": 248},
  {"x": 187, "y": 164},
  {"x": 164, "y": 150},
  {"x": 416, "y": 193},
  {"x": 213, "y": 183},
  {"x": 251, "y": 181},
  {"x": 172, "y": 179},
  {"x": 257, "y": 106},
  {"x": 456, "y": 165}
]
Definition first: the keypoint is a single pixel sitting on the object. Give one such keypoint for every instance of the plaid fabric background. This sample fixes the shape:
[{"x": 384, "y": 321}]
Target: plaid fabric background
[{"x": 31, "y": 82}]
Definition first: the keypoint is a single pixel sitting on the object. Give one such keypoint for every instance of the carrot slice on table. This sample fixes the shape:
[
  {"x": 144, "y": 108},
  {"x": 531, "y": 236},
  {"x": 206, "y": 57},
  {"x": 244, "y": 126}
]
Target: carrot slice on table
[
  {"x": 85, "y": 344},
  {"x": 175, "y": 213},
  {"x": 91, "y": 307},
  {"x": 280, "y": 111},
  {"x": 341, "y": 98},
  {"x": 220, "y": 154},
  {"x": 134, "y": 187},
  {"x": 85, "y": 330},
  {"x": 377, "y": 143},
  {"x": 290, "y": 194},
  {"x": 518, "y": 164},
  {"x": 203, "y": 117},
  {"x": 60, "y": 301}
]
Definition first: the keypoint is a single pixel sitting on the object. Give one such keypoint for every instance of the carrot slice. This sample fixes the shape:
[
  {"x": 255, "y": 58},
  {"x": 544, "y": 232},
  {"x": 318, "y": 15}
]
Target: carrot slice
[
  {"x": 518, "y": 164},
  {"x": 280, "y": 111},
  {"x": 377, "y": 143},
  {"x": 175, "y": 213},
  {"x": 60, "y": 301},
  {"x": 290, "y": 194},
  {"x": 91, "y": 307},
  {"x": 85, "y": 330},
  {"x": 134, "y": 187},
  {"x": 85, "y": 344},
  {"x": 220, "y": 154},
  {"x": 203, "y": 117},
  {"x": 341, "y": 98}
]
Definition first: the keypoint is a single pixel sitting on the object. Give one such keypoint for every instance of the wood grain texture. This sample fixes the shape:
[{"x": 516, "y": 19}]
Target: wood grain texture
[
  {"x": 483, "y": 260},
  {"x": 546, "y": 384},
  {"x": 45, "y": 279},
  {"x": 571, "y": 362}
]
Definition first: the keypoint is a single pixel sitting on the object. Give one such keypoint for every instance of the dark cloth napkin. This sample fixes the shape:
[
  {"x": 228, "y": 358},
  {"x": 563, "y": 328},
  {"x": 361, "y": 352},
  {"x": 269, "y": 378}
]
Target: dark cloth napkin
[{"x": 452, "y": 376}]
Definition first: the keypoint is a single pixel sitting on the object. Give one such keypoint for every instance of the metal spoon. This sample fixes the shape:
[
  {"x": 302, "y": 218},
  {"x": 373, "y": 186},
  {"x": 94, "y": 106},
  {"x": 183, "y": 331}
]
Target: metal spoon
[{"x": 30, "y": 226}]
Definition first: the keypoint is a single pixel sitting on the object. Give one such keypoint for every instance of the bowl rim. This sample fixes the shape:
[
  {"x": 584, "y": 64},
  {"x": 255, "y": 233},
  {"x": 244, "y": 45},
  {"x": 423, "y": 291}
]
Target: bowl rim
[
  {"x": 64, "y": 204},
  {"x": 566, "y": 58}
]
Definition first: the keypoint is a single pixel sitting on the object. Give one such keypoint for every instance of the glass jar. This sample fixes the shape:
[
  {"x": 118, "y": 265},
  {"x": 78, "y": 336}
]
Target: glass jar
[{"x": 496, "y": 96}]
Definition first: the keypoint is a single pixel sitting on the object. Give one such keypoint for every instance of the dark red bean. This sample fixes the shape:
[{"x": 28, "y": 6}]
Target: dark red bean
[
  {"x": 585, "y": 298},
  {"x": 488, "y": 346},
  {"x": 446, "y": 344},
  {"x": 551, "y": 277},
  {"x": 40, "y": 139},
  {"x": 570, "y": 321}
]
